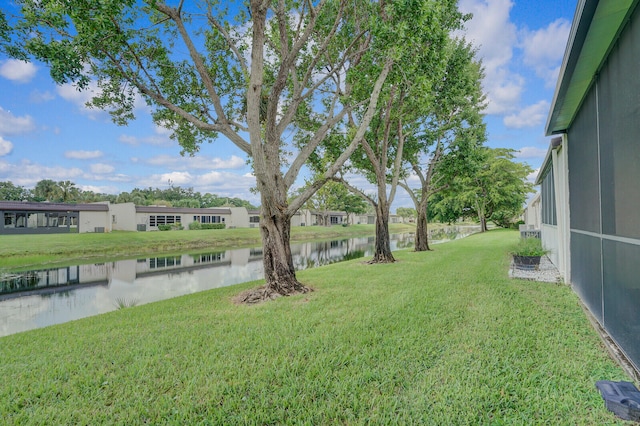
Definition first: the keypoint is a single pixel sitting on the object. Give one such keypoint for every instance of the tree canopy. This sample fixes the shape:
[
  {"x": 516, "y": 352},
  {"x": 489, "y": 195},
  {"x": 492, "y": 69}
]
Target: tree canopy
[
  {"x": 334, "y": 196},
  {"x": 495, "y": 191},
  {"x": 446, "y": 132},
  {"x": 273, "y": 77}
]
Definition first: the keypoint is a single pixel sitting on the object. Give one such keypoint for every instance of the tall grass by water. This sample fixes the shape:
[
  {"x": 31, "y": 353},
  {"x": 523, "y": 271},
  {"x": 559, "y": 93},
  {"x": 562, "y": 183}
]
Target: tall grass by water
[{"x": 440, "y": 337}]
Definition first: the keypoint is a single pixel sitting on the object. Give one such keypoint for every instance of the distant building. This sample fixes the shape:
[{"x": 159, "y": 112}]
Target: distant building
[
  {"x": 51, "y": 218},
  {"x": 47, "y": 218}
]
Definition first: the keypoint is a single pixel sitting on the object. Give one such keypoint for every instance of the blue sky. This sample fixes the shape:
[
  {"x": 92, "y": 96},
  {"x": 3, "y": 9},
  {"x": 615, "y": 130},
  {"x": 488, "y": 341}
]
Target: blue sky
[{"x": 46, "y": 132}]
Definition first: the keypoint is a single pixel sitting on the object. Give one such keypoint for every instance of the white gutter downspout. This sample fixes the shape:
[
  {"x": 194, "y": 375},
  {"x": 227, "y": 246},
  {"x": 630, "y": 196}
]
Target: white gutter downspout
[{"x": 560, "y": 165}]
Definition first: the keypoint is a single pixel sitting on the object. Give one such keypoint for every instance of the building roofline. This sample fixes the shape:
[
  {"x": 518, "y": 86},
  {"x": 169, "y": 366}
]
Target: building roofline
[
  {"x": 554, "y": 144},
  {"x": 58, "y": 207},
  {"x": 182, "y": 210},
  {"x": 595, "y": 29}
]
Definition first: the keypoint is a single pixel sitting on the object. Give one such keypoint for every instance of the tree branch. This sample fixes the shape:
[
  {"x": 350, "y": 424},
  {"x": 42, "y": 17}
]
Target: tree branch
[
  {"x": 406, "y": 187},
  {"x": 230, "y": 42},
  {"x": 174, "y": 14},
  {"x": 356, "y": 191}
]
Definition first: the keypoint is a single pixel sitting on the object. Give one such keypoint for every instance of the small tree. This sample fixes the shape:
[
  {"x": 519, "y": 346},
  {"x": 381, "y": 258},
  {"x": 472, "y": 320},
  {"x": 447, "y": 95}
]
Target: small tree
[
  {"x": 445, "y": 137},
  {"x": 404, "y": 101},
  {"x": 495, "y": 191},
  {"x": 406, "y": 213},
  {"x": 333, "y": 196}
]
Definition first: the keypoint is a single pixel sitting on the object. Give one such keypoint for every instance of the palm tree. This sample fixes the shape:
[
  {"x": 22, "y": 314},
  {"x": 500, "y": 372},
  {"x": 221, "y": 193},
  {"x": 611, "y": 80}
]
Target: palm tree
[
  {"x": 46, "y": 190},
  {"x": 68, "y": 191}
]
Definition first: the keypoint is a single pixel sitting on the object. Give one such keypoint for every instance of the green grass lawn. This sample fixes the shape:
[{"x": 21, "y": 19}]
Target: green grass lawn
[
  {"x": 442, "y": 337},
  {"x": 29, "y": 250}
]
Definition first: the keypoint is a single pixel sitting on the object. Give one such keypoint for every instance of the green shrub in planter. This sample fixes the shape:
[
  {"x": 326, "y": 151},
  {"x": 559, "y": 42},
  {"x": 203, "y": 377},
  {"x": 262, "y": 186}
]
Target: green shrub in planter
[
  {"x": 528, "y": 252},
  {"x": 195, "y": 226},
  {"x": 530, "y": 246},
  {"x": 164, "y": 227}
]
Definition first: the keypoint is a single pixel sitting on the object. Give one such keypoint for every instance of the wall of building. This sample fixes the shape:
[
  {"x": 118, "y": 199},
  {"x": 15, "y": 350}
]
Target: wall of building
[
  {"x": 90, "y": 221},
  {"x": 531, "y": 214},
  {"x": 604, "y": 196},
  {"x": 239, "y": 218},
  {"x": 123, "y": 217}
]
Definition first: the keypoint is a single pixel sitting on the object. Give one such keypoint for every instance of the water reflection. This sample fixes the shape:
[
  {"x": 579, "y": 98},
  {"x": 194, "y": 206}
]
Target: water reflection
[{"x": 44, "y": 297}]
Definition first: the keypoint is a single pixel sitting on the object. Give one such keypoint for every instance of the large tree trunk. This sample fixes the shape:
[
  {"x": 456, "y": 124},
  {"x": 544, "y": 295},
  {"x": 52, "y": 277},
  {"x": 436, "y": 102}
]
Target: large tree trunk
[
  {"x": 422, "y": 240},
  {"x": 383, "y": 239},
  {"x": 279, "y": 273},
  {"x": 275, "y": 228}
]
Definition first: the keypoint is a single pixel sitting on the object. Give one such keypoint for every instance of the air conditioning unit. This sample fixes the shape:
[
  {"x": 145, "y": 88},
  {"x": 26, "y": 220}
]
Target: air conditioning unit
[
  {"x": 99, "y": 229},
  {"x": 142, "y": 227}
]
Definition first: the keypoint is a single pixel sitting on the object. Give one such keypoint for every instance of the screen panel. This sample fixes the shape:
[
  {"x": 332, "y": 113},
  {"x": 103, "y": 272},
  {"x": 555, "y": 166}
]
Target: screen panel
[
  {"x": 586, "y": 272},
  {"x": 584, "y": 196}
]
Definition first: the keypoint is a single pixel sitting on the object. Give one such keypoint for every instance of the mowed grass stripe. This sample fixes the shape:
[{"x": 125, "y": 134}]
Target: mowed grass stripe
[{"x": 442, "y": 337}]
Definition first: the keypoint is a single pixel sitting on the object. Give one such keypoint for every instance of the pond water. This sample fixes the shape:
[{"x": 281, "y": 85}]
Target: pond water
[{"x": 43, "y": 297}]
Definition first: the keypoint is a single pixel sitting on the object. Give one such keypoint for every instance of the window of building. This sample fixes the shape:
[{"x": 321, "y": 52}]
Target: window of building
[
  {"x": 36, "y": 220},
  {"x": 165, "y": 220},
  {"x": 254, "y": 219},
  {"x": 53, "y": 219},
  {"x": 549, "y": 216},
  {"x": 211, "y": 219},
  {"x": 21, "y": 220},
  {"x": 9, "y": 220}
]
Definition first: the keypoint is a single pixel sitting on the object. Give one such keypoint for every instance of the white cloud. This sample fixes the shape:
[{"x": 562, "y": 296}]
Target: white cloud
[
  {"x": 101, "y": 168},
  {"x": 177, "y": 178},
  {"x": 531, "y": 177},
  {"x": 495, "y": 36},
  {"x": 529, "y": 152},
  {"x": 83, "y": 155},
  {"x": 5, "y": 147},
  {"x": 161, "y": 137},
  {"x": 105, "y": 189},
  {"x": 197, "y": 162},
  {"x": 38, "y": 97},
  {"x": 543, "y": 49},
  {"x": 119, "y": 177},
  {"x": 18, "y": 71},
  {"x": 80, "y": 98},
  {"x": 28, "y": 174},
  {"x": 221, "y": 183},
  {"x": 156, "y": 140},
  {"x": 531, "y": 116},
  {"x": 12, "y": 125}
]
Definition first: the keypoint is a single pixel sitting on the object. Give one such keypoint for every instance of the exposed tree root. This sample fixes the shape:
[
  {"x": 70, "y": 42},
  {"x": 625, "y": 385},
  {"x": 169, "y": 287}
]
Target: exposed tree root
[{"x": 264, "y": 293}]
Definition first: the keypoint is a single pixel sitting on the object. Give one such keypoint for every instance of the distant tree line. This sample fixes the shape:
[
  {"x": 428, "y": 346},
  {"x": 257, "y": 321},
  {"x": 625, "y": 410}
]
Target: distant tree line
[{"x": 68, "y": 192}]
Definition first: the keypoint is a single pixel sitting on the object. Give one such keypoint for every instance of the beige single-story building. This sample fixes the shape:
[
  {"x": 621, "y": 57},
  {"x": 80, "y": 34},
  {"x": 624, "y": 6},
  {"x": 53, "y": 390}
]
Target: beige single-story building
[{"x": 46, "y": 218}]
